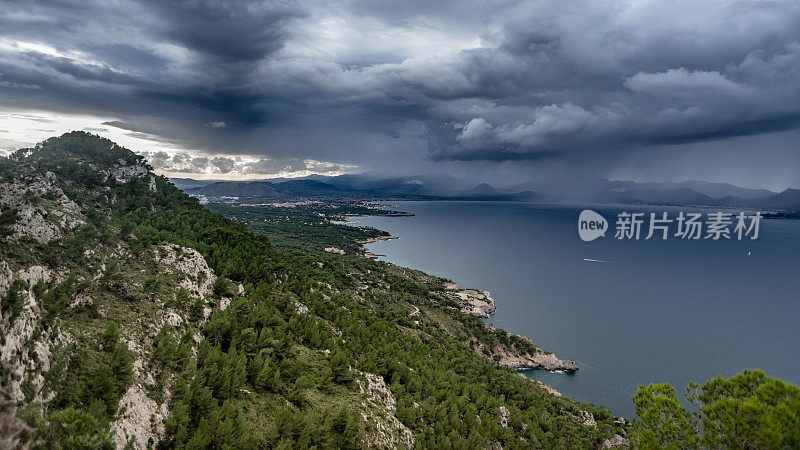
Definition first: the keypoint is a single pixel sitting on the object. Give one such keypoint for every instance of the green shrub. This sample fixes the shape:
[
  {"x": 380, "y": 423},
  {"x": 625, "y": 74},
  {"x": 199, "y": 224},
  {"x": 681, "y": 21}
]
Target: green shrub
[
  {"x": 8, "y": 217},
  {"x": 13, "y": 302}
]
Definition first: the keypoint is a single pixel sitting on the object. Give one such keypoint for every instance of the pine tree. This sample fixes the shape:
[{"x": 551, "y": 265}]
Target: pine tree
[
  {"x": 103, "y": 386},
  {"x": 202, "y": 437}
]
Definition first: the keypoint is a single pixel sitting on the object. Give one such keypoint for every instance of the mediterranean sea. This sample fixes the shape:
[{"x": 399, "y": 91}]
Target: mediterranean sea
[{"x": 629, "y": 312}]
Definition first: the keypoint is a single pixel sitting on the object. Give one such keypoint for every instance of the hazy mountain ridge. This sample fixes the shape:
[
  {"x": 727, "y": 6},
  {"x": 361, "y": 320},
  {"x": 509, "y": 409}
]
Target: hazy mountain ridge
[
  {"x": 693, "y": 192},
  {"x": 263, "y": 189}
]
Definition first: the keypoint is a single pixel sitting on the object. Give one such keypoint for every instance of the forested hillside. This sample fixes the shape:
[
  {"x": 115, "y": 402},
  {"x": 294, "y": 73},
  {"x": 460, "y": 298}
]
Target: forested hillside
[{"x": 133, "y": 316}]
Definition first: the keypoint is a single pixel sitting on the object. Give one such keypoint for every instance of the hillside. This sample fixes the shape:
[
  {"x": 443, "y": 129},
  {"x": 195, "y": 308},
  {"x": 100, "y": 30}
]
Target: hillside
[
  {"x": 681, "y": 196},
  {"x": 789, "y": 199},
  {"x": 307, "y": 187},
  {"x": 260, "y": 189},
  {"x": 482, "y": 189},
  {"x": 131, "y": 315}
]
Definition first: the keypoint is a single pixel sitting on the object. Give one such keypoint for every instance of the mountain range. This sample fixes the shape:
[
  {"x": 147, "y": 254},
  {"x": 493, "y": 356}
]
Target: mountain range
[{"x": 692, "y": 192}]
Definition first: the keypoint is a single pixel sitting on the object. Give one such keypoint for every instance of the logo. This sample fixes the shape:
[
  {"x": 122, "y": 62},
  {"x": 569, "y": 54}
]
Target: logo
[
  {"x": 591, "y": 225},
  {"x": 686, "y": 225}
]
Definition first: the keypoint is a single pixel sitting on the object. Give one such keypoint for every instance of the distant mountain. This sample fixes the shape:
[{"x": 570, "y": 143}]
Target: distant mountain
[
  {"x": 307, "y": 187},
  {"x": 713, "y": 190},
  {"x": 373, "y": 185},
  {"x": 483, "y": 189},
  {"x": 189, "y": 183},
  {"x": 719, "y": 190},
  {"x": 532, "y": 196},
  {"x": 690, "y": 192},
  {"x": 786, "y": 200},
  {"x": 604, "y": 190},
  {"x": 415, "y": 185},
  {"x": 262, "y": 189},
  {"x": 667, "y": 197}
]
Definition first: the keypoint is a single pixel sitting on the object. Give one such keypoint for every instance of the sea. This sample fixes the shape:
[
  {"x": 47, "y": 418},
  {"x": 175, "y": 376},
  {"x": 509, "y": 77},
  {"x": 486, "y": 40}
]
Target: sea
[{"x": 628, "y": 311}]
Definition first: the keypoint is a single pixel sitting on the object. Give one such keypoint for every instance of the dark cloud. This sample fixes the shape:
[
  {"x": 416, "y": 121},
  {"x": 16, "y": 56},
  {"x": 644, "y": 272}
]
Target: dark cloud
[
  {"x": 183, "y": 162},
  {"x": 14, "y": 85},
  {"x": 395, "y": 86},
  {"x": 225, "y": 31},
  {"x": 224, "y": 165}
]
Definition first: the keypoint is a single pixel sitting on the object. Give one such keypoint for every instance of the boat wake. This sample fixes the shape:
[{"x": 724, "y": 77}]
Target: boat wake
[{"x": 595, "y": 260}]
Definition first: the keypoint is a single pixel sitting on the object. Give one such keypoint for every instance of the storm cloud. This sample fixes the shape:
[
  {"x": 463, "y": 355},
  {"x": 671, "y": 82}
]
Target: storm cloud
[{"x": 523, "y": 86}]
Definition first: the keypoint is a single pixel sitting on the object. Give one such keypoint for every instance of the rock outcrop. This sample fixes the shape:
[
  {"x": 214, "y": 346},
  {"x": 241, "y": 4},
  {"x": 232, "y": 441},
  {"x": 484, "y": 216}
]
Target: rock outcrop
[
  {"x": 197, "y": 276},
  {"x": 391, "y": 433},
  {"x": 616, "y": 441},
  {"x": 537, "y": 360},
  {"x": 475, "y": 303},
  {"x": 25, "y": 358},
  {"x": 550, "y": 390},
  {"x": 141, "y": 419},
  {"x": 377, "y": 239},
  {"x": 35, "y": 220},
  {"x": 514, "y": 358},
  {"x": 123, "y": 173},
  {"x": 503, "y": 416},
  {"x": 587, "y": 419}
]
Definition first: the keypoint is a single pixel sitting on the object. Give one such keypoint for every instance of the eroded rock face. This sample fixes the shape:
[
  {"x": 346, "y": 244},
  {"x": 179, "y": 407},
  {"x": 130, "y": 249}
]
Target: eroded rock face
[
  {"x": 141, "y": 419},
  {"x": 391, "y": 433},
  {"x": 377, "y": 239},
  {"x": 587, "y": 419},
  {"x": 27, "y": 353},
  {"x": 173, "y": 318},
  {"x": 123, "y": 173},
  {"x": 476, "y": 303},
  {"x": 616, "y": 441},
  {"x": 197, "y": 278},
  {"x": 538, "y": 360},
  {"x": 23, "y": 357},
  {"x": 6, "y": 277},
  {"x": 515, "y": 359},
  {"x": 451, "y": 286},
  {"x": 550, "y": 390},
  {"x": 502, "y": 417},
  {"x": 40, "y": 222},
  {"x": 300, "y": 308},
  {"x": 28, "y": 349}
]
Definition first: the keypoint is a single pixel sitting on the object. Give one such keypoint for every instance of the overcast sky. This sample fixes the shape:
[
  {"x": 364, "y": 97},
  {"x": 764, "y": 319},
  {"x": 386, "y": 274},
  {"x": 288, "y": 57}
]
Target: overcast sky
[{"x": 500, "y": 91}]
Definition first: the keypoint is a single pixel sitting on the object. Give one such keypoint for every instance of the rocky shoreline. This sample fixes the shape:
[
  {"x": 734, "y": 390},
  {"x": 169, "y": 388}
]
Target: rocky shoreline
[
  {"x": 480, "y": 303},
  {"x": 369, "y": 254},
  {"x": 377, "y": 239},
  {"x": 543, "y": 361},
  {"x": 476, "y": 303}
]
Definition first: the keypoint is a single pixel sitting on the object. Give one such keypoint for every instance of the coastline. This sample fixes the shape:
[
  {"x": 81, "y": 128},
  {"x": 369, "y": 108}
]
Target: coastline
[
  {"x": 369, "y": 254},
  {"x": 480, "y": 303},
  {"x": 377, "y": 239}
]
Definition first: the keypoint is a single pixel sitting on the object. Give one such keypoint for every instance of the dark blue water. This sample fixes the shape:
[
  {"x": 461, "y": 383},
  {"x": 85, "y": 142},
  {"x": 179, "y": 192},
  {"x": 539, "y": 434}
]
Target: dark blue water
[{"x": 659, "y": 311}]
